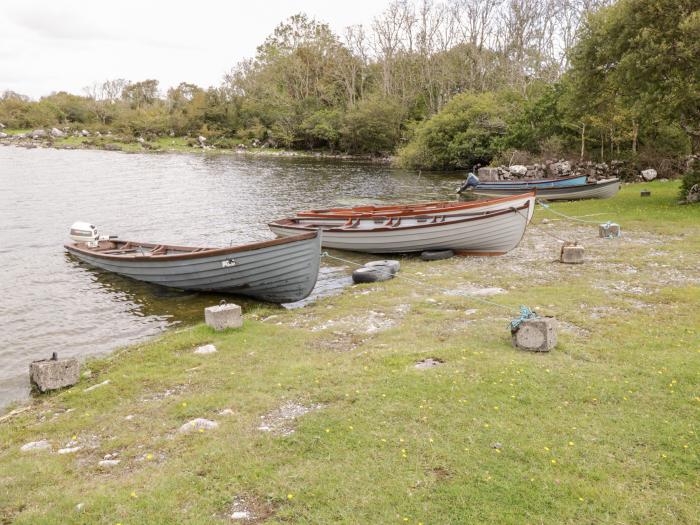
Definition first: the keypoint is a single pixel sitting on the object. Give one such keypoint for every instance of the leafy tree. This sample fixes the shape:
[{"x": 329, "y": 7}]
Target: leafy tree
[
  {"x": 373, "y": 126},
  {"x": 470, "y": 129},
  {"x": 642, "y": 55}
]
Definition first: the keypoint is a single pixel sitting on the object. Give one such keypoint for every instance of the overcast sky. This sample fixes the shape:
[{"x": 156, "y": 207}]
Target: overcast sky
[{"x": 65, "y": 45}]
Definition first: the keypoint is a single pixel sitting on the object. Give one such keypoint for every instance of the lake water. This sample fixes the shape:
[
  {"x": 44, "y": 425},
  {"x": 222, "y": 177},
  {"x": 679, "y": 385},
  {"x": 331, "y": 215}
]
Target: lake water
[{"x": 50, "y": 303}]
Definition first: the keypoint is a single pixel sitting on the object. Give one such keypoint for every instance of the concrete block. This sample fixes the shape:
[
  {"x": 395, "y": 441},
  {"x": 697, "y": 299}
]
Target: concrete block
[
  {"x": 223, "y": 316},
  {"x": 572, "y": 254},
  {"x": 609, "y": 230},
  {"x": 52, "y": 374},
  {"x": 536, "y": 335}
]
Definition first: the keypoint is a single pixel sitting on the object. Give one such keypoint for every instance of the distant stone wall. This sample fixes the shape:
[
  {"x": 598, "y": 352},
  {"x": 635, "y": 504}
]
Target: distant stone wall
[{"x": 621, "y": 169}]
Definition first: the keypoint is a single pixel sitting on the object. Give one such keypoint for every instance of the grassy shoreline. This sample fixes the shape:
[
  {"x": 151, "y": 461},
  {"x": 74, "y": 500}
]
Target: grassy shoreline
[
  {"x": 172, "y": 145},
  {"x": 602, "y": 430}
]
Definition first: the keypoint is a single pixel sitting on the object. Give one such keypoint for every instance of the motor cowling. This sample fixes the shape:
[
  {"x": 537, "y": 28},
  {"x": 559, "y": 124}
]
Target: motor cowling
[{"x": 83, "y": 232}]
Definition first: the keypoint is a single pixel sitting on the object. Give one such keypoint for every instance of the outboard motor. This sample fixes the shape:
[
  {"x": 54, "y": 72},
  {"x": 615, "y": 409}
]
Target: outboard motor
[
  {"x": 87, "y": 233},
  {"x": 471, "y": 182}
]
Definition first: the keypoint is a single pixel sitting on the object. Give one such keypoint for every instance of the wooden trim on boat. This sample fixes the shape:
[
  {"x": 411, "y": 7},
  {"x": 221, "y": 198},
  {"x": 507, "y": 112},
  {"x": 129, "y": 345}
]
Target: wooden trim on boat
[
  {"x": 194, "y": 252},
  {"x": 401, "y": 210},
  {"x": 291, "y": 223}
]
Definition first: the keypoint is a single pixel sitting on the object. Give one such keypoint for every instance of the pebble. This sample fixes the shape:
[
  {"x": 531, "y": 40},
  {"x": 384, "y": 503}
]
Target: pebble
[
  {"x": 69, "y": 450},
  {"x": 79, "y": 506},
  {"x": 206, "y": 349},
  {"x": 496, "y": 445},
  {"x": 240, "y": 515},
  {"x": 98, "y": 385},
  {"x": 129, "y": 417},
  {"x": 109, "y": 462},
  {"x": 198, "y": 424},
  {"x": 36, "y": 445},
  {"x": 226, "y": 412}
]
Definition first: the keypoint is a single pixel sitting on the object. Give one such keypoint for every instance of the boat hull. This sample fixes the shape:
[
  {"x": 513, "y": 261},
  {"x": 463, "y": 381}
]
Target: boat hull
[
  {"x": 493, "y": 233},
  {"x": 600, "y": 190},
  {"x": 336, "y": 219},
  {"x": 274, "y": 272},
  {"x": 536, "y": 184}
]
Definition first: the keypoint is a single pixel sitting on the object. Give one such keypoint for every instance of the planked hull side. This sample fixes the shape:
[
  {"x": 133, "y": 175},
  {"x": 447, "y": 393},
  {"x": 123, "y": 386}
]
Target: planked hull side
[
  {"x": 279, "y": 274},
  {"x": 494, "y": 234}
]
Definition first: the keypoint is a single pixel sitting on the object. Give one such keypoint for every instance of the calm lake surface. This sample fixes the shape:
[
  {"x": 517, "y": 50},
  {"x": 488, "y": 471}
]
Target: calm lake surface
[{"x": 50, "y": 303}]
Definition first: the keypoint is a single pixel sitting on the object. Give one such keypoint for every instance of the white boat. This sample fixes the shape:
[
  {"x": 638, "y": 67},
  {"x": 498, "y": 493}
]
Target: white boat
[{"x": 489, "y": 233}]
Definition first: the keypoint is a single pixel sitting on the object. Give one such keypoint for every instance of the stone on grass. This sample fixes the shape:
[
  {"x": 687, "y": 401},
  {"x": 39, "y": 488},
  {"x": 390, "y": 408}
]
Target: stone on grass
[
  {"x": 241, "y": 515},
  {"x": 649, "y": 174},
  {"x": 536, "y": 335},
  {"x": 79, "y": 506},
  {"x": 98, "y": 385},
  {"x": 69, "y": 450},
  {"x": 205, "y": 349},
  {"x": 226, "y": 412},
  {"x": 52, "y": 374},
  {"x": 57, "y": 132},
  {"x": 44, "y": 444},
  {"x": 108, "y": 463},
  {"x": 223, "y": 316},
  {"x": 518, "y": 170},
  {"x": 198, "y": 424},
  {"x": 572, "y": 254}
]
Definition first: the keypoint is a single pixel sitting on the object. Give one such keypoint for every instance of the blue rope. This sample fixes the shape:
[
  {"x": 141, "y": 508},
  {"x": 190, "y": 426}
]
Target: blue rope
[{"x": 525, "y": 314}]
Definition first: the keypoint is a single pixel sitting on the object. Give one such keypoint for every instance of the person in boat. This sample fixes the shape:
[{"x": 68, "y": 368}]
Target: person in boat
[{"x": 472, "y": 180}]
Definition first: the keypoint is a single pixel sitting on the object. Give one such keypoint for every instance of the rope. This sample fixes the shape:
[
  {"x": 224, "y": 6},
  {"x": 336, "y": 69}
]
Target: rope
[
  {"x": 549, "y": 207},
  {"x": 525, "y": 314}
]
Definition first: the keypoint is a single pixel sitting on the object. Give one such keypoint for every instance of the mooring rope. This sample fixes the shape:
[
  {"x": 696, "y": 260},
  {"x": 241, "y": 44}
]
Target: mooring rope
[{"x": 548, "y": 206}]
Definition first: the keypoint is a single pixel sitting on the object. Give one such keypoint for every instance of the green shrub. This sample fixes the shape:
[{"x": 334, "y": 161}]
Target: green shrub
[
  {"x": 690, "y": 179},
  {"x": 467, "y": 131}
]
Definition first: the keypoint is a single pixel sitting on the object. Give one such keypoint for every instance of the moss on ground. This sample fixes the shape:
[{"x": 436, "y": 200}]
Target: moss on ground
[{"x": 602, "y": 430}]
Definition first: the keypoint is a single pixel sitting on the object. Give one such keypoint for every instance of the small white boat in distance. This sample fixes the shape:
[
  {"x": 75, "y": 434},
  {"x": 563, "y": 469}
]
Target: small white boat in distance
[
  {"x": 489, "y": 233},
  {"x": 602, "y": 189}
]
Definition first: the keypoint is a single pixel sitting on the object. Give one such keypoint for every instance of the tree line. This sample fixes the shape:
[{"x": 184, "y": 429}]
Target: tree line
[{"x": 441, "y": 84}]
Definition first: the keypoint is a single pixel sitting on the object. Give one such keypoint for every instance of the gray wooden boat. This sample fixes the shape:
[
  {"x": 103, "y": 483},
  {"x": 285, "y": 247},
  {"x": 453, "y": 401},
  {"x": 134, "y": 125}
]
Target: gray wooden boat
[
  {"x": 603, "y": 189},
  {"x": 278, "y": 271}
]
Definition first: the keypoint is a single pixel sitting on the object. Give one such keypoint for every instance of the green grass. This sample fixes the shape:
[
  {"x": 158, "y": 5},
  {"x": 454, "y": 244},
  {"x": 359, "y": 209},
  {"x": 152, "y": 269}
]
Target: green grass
[{"x": 604, "y": 429}]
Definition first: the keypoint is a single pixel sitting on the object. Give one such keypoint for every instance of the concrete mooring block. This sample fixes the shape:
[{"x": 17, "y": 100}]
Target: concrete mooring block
[
  {"x": 610, "y": 229},
  {"x": 536, "y": 335},
  {"x": 52, "y": 374},
  {"x": 571, "y": 254},
  {"x": 223, "y": 316}
]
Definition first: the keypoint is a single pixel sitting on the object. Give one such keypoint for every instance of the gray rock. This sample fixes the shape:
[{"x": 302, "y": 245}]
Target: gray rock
[
  {"x": 98, "y": 134},
  {"x": 536, "y": 335},
  {"x": 108, "y": 463},
  {"x": 201, "y": 140},
  {"x": 205, "y": 349},
  {"x": 98, "y": 385},
  {"x": 518, "y": 170},
  {"x": 198, "y": 424},
  {"x": 55, "y": 132},
  {"x": 488, "y": 174},
  {"x": 44, "y": 444},
  {"x": 85, "y": 133},
  {"x": 38, "y": 133},
  {"x": 241, "y": 515},
  {"x": 2, "y": 126},
  {"x": 609, "y": 230},
  {"x": 3, "y": 135},
  {"x": 49, "y": 374},
  {"x": 649, "y": 174},
  {"x": 223, "y": 316},
  {"x": 428, "y": 363},
  {"x": 140, "y": 140},
  {"x": 69, "y": 450}
]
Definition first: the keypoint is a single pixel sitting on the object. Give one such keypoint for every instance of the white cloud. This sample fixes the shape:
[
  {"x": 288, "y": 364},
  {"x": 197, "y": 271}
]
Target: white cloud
[{"x": 52, "y": 46}]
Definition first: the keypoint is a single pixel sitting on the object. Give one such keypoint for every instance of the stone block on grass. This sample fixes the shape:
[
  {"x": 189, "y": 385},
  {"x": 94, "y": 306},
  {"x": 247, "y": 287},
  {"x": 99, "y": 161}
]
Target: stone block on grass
[
  {"x": 609, "y": 230},
  {"x": 52, "y": 374},
  {"x": 536, "y": 335},
  {"x": 572, "y": 254},
  {"x": 223, "y": 316}
]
